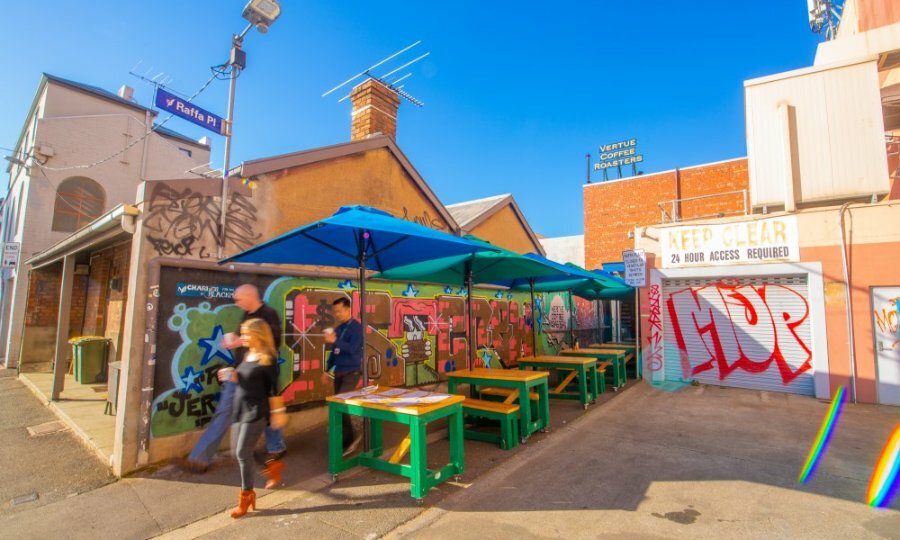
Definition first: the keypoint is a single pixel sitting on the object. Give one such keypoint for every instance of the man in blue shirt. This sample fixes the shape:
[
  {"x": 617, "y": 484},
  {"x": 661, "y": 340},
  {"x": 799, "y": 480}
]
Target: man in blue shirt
[{"x": 346, "y": 362}]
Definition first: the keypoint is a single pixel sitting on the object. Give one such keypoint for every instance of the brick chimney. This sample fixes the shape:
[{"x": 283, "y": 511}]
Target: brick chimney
[{"x": 374, "y": 110}]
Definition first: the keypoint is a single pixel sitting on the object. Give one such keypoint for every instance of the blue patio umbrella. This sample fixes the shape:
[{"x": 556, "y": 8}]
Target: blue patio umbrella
[{"x": 359, "y": 237}]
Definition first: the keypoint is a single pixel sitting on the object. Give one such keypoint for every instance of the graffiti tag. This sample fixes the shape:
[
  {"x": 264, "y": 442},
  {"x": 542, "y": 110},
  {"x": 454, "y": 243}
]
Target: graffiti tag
[{"x": 740, "y": 330}]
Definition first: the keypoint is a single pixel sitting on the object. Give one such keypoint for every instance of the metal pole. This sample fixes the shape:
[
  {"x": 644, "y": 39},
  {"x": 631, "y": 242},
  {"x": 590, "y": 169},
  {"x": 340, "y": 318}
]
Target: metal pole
[
  {"x": 534, "y": 326},
  {"x": 587, "y": 158},
  {"x": 236, "y": 42},
  {"x": 573, "y": 322},
  {"x": 473, "y": 335},
  {"x": 638, "y": 361},
  {"x": 362, "y": 322}
]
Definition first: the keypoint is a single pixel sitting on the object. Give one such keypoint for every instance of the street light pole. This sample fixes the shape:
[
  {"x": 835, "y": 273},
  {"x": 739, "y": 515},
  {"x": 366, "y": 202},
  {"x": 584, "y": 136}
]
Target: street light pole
[
  {"x": 261, "y": 14},
  {"x": 236, "y": 66}
]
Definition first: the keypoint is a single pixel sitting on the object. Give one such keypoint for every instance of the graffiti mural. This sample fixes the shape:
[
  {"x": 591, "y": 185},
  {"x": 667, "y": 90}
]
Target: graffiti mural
[
  {"x": 654, "y": 351},
  {"x": 424, "y": 218},
  {"x": 185, "y": 222},
  {"x": 738, "y": 328},
  {"x": 416, "y": 334}
]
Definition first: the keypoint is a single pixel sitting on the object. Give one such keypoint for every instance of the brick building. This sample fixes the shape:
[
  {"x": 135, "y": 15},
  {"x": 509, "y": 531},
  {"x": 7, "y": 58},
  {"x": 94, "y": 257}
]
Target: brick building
[{"x": 612, "y": 209}]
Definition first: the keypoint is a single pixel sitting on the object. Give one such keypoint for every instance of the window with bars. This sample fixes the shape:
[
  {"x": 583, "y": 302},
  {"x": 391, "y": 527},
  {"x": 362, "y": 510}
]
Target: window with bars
[{"x": 79, "y": 201}]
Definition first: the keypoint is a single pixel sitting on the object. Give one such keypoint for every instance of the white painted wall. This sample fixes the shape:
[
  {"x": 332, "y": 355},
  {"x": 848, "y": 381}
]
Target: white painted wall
[
  {"x": 837, "y": 138},
  {"x": 565, "y": 249},
  {"x": 80, "y": 128}
]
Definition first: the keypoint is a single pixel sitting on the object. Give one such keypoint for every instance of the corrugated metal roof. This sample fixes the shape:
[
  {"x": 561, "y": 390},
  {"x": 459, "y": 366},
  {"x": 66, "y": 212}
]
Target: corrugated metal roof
[{"x": 468, "y": 211}]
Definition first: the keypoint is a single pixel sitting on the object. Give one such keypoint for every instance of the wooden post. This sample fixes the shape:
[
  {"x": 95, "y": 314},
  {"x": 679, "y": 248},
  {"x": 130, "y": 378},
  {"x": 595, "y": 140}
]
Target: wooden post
[{"x": 62, "y": 327}]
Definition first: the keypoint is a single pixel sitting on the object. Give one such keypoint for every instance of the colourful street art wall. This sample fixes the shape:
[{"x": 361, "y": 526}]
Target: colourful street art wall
[
  {"x": 416, "y": 335},
  {"x": 563, "y": 321}
]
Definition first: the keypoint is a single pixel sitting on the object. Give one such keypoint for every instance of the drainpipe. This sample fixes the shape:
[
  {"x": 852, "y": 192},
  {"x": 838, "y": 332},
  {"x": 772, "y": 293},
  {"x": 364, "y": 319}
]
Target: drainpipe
[
  {"x": 848, "y": 303},
  {"x": 676, "y": 204}
]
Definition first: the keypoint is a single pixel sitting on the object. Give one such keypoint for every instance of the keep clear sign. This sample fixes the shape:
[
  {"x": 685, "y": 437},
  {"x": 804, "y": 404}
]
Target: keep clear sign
[{"x": 743, "y": 242}]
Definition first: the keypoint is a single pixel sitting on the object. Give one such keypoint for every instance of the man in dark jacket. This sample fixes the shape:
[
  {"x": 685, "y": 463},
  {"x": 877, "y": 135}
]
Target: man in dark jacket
[
  {"x": 346, "y": 363},
  {"x": 248, "y": 299}
]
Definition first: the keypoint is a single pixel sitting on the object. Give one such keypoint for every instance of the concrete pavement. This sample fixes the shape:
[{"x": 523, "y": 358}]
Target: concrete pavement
[
  {"x": 703, "y": 462},
  {"x": 38, "y": 470}
]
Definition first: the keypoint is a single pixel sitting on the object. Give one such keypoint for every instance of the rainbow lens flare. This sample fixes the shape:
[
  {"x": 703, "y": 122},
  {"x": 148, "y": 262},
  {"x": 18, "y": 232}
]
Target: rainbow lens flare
[
  {"x": 824, "y": 435},
  {"x": 883, "y": 484}
]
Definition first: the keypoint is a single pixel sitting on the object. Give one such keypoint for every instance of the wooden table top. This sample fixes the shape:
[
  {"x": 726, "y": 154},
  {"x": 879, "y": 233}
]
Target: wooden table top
[
  {"x": 594, "y": 351},
  {"x": 612, "y": 345},
  {"x": 413, "y": 410},
  {"x": 499, "y": 374},
  {"x": 568, "y": 360}
]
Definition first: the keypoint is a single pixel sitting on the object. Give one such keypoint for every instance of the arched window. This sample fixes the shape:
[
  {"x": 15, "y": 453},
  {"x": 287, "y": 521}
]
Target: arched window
[{"x": 79, "y": 201}]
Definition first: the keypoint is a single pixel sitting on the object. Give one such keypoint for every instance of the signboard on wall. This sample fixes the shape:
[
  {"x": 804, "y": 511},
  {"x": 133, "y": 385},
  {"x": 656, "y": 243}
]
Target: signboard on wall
[
  {"x": 635, "y": 267},
  {"x": 10, "y": 254},
  {"x": 745, "y": 242}
]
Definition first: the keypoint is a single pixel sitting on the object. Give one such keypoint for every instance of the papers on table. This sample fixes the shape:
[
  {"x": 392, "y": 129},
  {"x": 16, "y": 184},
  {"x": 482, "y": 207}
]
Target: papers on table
[{"x": 393, "y": 397}]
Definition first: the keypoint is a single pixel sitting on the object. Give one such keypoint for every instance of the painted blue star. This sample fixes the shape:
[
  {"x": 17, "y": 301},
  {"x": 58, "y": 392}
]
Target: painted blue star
[
  {"x": 462, "y": 292},
  {"x": 410, "y": 291},
  {"x": 346, "y": 284},
  {"x": 509, "y": 296},
  {"x": 189, "y": 380},
  {"x": 499, "y": 295},
  {"x": 213, "y": 347},
  {"x": 486, "y": 358},
  {"x": 449, "y": 290}
]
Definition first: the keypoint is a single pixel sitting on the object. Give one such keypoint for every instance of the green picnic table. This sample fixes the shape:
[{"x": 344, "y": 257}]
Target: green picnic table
[
  {"x": 417, "y": 417},
  {"x": 585, "y": 369},
  {"x": 520, "y": 381},
  {"x": 616, "y": 356},
  {"x": 626, "y": 345}
]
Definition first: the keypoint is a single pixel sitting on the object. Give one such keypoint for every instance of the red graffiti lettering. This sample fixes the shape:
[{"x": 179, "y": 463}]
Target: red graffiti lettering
[
  {"x": 739, "y": 330},
  {"x": 654, "y": 337}
]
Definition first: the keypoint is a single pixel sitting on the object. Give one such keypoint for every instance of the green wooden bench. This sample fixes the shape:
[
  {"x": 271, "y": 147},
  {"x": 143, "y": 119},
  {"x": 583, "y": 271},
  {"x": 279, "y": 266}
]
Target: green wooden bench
[
  {"x": 505, "y": 413},
  {"x": 509, "y": 396}
]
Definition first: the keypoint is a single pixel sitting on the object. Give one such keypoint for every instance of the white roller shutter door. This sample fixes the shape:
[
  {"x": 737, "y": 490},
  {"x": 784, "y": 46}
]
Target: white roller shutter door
[{"x": 747, "y": 332}]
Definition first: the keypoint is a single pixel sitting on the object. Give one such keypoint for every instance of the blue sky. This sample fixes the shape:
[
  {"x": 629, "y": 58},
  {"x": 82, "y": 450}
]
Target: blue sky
[{"x": 516, "y": 92}]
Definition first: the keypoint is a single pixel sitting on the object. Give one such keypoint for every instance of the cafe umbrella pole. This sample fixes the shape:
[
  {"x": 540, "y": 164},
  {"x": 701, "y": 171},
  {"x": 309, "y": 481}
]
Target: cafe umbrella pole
[
  {"x": 534, "y": 326},
  {"x": 473, "y": 337},
  {"x": 573, "y": 320},
  {"x": 363, "y": 237}
]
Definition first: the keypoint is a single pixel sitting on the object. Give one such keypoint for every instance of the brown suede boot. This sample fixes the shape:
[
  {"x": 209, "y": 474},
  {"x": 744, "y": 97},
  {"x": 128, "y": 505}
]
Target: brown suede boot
[
  {"x": 273, "y": 473},
  {"x": 246, "y": 500}
]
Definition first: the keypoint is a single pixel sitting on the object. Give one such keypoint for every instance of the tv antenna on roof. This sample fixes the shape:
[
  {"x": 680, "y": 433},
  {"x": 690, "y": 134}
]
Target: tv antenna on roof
[
  {"x": 389, "y": 79},
  {"x": 160, "y": 80},
  {"x": 824, "y": 16}
]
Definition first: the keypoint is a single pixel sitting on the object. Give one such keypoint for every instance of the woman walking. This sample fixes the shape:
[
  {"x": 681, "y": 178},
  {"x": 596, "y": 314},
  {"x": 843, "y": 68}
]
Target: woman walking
[{"x": 256, "y": 383}]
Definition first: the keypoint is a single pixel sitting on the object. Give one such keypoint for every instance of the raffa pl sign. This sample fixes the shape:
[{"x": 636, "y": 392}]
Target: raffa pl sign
[
  {"x": 742, "y": 242},
  {"x": 192, "y": 113}
]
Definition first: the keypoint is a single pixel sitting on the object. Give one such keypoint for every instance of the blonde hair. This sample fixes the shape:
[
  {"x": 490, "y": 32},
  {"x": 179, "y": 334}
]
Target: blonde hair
[{"x": 261, "y": 331}]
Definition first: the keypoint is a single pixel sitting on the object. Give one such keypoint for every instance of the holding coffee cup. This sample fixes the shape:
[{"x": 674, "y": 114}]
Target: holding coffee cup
[
  {"x": 225, "y": 374},
  {"x": 329, "y": 335},
  {"x": 231, "y": 340}
]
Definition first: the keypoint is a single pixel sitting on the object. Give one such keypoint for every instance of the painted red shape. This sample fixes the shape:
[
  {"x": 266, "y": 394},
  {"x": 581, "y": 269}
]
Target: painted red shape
[
  {"x": 739, "y": 330},
  {"x": 654, "y": 337}
]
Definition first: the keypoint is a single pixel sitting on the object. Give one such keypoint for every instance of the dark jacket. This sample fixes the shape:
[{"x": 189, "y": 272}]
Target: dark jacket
[
  {"x": 270, "y": 316},
  {"x": 255, "y": 384},
  {"x": 347, "y": 354}
]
